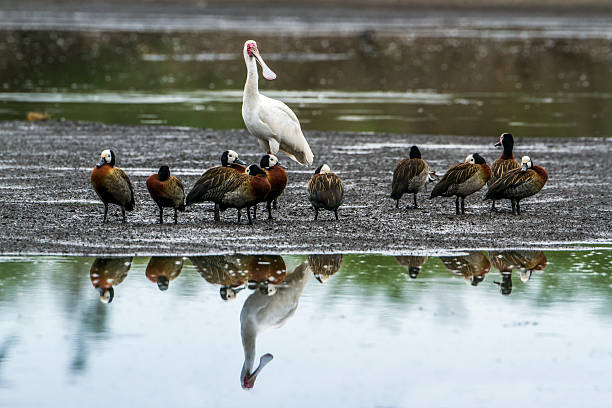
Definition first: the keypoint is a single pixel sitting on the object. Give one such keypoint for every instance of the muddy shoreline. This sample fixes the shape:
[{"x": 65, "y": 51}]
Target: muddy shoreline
[{"x": 48, "y": 206}]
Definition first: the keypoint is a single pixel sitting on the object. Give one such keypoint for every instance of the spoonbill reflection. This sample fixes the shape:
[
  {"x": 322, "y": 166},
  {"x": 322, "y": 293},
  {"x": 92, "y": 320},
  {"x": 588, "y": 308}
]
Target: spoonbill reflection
[{"x": 262, "y": 311}]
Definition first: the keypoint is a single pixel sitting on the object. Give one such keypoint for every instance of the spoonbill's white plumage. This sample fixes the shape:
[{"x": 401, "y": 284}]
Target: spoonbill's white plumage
[{"x": 272, "y": 122}]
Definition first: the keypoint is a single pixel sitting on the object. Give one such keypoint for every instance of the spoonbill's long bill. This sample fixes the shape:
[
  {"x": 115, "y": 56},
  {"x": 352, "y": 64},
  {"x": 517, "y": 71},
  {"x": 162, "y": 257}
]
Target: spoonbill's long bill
[{"x": 272, "y": 122}]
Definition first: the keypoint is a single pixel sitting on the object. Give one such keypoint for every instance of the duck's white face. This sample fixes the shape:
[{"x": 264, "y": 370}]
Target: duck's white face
[
  {"x": 231, "y": 156},
  {"x": 273, "y": 160},
  {"x": 106, "y": 155},
  {"x": 105, "y": 296},
  {"x": 470, "y": 159},
  {"x": 325, "y": 169},
  {"x": 322, "y": 278},
  {"x": 526, "y": 163}
]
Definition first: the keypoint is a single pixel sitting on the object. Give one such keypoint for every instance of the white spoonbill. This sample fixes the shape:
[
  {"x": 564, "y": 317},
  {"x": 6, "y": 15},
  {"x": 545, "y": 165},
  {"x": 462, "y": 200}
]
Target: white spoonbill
[{"x": 272, "y": 122}]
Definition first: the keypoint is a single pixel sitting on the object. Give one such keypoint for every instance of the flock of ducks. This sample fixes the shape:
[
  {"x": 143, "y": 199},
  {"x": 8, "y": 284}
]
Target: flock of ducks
[
  {"x": 277, "y": 129},
  {"x": 506, "y": 178}
]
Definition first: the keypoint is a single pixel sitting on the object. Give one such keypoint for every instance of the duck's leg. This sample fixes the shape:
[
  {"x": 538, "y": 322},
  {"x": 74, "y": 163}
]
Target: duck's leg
[
  {"x": 105, "y": 212},
  {"x": 254, "y": 212},
  {"x": 462, "y": 205},
  {"x": 415, "y": 201},
  {"x": 217, "y": 216},
  {"x": 316, "y": 212},
  {"x": 513, "y": 206},
  {"x": 457, "y": 206},
  {"x": 396, "y": 203},
  {"x": 336, "y": 214},
  {"x": 518, "y": 207},
  {"x": 248, "y": 211},
  {"x": 493, "y": 206},
  {"x": 161, "y": 214},
  {"x": 269, "y": 206},
  {"x": 123, "y": 214},
  {"x": 239, "y": 214},
  {"x": 275, "y": 204},
  {"x": 175, "y": 216}
]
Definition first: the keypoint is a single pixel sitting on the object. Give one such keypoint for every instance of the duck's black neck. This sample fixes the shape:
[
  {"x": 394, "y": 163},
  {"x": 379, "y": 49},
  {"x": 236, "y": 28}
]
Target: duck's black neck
[{"x": 508, "y": 146}]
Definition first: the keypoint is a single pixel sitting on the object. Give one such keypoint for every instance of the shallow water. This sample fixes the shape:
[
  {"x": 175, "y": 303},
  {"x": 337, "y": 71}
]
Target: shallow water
[
  {"x": 530, "y": 75},
  {"x": 461, "y": 333}
]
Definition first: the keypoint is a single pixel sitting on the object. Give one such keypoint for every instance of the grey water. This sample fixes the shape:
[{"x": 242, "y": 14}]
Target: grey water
[{"x": 470, "y": 329}]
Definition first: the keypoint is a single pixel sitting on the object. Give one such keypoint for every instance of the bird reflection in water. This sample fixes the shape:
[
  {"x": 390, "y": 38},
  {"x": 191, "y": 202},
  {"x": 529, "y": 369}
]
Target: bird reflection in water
[
  {"x": 163, "y": 269},
  {"x": 106, "y": 273},
  {"x": 324, "y": 266},
  {"x": 262, "y": 311},
  {"x": 507, "y": 261},
  {"x": 227, "y": 271},
  {"x": 233, "y": 273},
  {"x": 473, "y": 267},
  {"x": 413, "y": 263},
  {"x": 266, "y": 272}
]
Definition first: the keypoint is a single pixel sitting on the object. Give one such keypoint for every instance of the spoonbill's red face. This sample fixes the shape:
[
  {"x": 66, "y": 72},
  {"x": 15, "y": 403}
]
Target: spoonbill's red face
[
  {"x": 251, "y": 47},
  {"x": 248, "y": 381},
  {"x": 251, "y": 50}
]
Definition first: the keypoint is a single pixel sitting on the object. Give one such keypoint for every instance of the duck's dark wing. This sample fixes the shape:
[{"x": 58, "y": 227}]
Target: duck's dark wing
[
  {"x": 214, "y": 183},
  {"x": 405, "y": 171},
  {"x": 326, "y": 189},
  {"x": 128, "y": 189},
  {"x": 501, "y": 167},
  {"x": 519, "y": 182},
  {"x": 457, "y": 174}
]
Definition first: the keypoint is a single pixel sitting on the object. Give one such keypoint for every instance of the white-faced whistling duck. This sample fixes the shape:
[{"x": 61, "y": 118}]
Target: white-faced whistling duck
[
  {"x": 473, "y": 267},
  {"x": 413, "y": 263},
  {"x": 229, "y": 271},
  {"x": 166, "y": 191},
  {"x": 409, "y": 176},
  {"x": 323, "y": 266},
  {"x": 230, "y": 164},
  {"x": 228, "y": 188},
  {"x": 325, "y": 190},
  {"x": 229, "y": 158},
  {"x": 518, "y": 184},
  {"x": 505, "y": 162},
  {"x": 106, "y": 273},
  {"x": 463, "y": 179},
  {"x": 163, "y": 269},
  {"x": 111, "y": 184},
  {"x": 278, "y": 180}
]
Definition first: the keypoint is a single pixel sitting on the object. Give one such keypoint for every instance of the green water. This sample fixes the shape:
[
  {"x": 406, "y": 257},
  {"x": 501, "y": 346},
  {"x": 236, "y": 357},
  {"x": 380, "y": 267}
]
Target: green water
[{"x": 479, "y": 82}]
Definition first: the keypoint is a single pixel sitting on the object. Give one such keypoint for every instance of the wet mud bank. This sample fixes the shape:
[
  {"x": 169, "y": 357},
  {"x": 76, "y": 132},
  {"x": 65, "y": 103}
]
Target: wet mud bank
[{"x": 47, "y": 205}]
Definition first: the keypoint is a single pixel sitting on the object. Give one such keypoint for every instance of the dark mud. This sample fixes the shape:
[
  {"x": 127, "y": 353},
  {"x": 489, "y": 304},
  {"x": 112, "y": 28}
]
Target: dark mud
[{"x": 47, "y": 205}]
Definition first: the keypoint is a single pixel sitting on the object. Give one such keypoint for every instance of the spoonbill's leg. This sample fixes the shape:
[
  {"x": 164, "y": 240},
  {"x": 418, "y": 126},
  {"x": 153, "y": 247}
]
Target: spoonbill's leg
[
  {"x": 274, "y": 146},
  {"x": 264, "y": 145}
]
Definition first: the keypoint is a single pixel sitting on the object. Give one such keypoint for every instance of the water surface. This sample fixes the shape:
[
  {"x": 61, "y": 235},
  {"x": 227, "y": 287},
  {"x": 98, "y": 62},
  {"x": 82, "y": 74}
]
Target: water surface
[
  {"x": 533, "y": 76},
  {"x": 467, "y": 329}
]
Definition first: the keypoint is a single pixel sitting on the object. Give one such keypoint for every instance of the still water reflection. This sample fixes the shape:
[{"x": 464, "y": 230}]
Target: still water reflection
[{"x": 382, "y": 330}]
